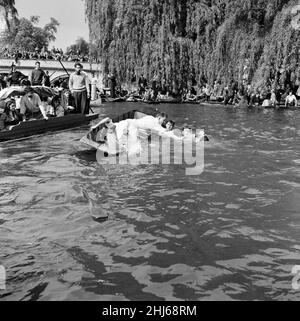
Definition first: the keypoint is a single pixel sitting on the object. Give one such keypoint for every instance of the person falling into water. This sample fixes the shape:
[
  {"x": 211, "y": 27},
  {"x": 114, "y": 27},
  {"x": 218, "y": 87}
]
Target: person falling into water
[
  {"x": 125, "y": 133},
  {"x": 186, "y": 133}
]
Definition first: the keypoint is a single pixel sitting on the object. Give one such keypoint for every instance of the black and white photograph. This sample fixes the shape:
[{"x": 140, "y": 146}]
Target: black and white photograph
[{"x": 149, "y": 153}]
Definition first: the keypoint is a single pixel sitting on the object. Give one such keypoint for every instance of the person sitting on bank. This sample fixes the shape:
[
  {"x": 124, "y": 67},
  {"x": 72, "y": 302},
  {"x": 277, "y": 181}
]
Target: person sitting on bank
[
  {"x": 207, "y": 92},
  {"x": 80, "y": 88},
  {"x": 291, "y": 100},
  {"x": 255, "y": 100},
  {"x": 31, "y": 106},
  {"x": 9, "y": 117},
  {"x": 266, "y": 102},
  {"x": 190, "y": 96},
  {"x": 273, "y": 99},
  {"x": 161, "y": 96},
  {"x": 142, "y": 84}
]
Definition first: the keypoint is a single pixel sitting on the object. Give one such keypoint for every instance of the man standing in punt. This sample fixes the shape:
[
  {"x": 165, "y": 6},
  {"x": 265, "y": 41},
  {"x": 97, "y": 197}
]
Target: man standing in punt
[{"x": 80, "y": 88}]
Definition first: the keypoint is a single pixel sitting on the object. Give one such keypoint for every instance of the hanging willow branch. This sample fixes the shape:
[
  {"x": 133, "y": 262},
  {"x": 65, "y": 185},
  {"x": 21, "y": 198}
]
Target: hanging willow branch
[{"x": 197, "y": 40}]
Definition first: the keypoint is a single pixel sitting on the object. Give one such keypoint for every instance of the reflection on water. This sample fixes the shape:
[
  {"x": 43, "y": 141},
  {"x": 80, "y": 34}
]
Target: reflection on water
[{"x": 229, "y": 233}]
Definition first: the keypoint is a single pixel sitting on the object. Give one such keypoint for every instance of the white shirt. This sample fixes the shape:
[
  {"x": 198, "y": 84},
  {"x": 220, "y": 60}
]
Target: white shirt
[
  {"x": 291, "y": 98},
  {"x": 148, "y": 122}
]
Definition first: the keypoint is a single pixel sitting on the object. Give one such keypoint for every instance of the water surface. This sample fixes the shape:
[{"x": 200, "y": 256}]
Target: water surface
[{"x": 231, "y": 233}]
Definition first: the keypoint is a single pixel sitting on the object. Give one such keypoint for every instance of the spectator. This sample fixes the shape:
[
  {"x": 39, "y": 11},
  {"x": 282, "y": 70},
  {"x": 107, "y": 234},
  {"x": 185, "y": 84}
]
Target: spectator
[
  {"x": 80, "y": 89},
  {"x": 37, "y": 75},
  {"x": 47, "y": 79},
  {"x": 14, "y": 77}
]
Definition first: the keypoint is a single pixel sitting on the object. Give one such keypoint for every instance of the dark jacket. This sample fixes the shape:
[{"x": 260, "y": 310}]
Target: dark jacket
[
  {"x": 15, "y": 77},
  {"x": 37, "y": 77}
]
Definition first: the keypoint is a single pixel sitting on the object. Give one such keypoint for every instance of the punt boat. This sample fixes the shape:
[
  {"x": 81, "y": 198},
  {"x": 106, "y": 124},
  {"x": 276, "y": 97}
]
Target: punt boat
[{"x": 41, "y": 126}]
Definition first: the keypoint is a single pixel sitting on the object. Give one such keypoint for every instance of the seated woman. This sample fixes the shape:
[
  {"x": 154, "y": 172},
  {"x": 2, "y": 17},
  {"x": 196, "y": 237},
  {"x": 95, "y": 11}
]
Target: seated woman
[
  {"x": 9, "y": 117},
  {"x": 66, "y": 100},
  {"x": 161, "y": 96},
  {"x": 190, "y": 96},
  {"x": 59, "y": 110},
  {"x": 47, "y": 103}
]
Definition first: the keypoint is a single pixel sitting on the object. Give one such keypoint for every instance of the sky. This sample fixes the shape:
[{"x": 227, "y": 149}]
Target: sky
[{"x": 69, "y": 13}]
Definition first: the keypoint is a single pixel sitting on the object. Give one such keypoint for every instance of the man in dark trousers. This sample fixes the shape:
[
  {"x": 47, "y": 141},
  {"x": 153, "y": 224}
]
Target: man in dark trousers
[
  {"x": 47, "y": 82},
  {"x": 112, "y": 85},
  {"x": 79, "y": 85},
  {"x": 37, "y": 77},
  {"x": 142, "y": 84}
]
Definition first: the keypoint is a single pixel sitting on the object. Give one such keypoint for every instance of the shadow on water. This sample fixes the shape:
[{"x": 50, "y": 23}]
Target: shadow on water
[
  {"x": 107, "y": 282},
  {"x": 86, "y": 155}
]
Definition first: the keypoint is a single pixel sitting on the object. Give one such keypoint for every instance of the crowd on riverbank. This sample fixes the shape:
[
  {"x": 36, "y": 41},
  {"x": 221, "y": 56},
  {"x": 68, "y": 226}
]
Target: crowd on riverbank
[
  {"x": 232, "y": 93},
  {"x": 53, "y": 54}
]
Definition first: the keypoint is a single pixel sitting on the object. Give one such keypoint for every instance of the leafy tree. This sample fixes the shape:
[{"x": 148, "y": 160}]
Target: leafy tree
[
  {"x": 26, "y": 35},
  {"x": 81, "y": 46}
]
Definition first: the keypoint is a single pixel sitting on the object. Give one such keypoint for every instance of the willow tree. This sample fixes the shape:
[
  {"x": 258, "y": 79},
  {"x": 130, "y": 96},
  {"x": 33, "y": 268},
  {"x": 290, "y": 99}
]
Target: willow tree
[{"x": 197, "y": 41}]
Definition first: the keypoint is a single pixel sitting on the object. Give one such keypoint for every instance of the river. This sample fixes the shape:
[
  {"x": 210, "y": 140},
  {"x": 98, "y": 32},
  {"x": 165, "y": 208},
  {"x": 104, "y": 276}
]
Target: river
[{"x": 231, "y": 233}]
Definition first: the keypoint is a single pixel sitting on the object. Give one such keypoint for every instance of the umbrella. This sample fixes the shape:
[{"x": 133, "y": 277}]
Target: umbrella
[{"x": 11, "y": 91}]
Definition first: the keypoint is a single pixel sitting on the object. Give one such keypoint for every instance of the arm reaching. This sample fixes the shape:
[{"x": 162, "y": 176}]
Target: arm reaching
[{"x": 42, "y": 109}]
